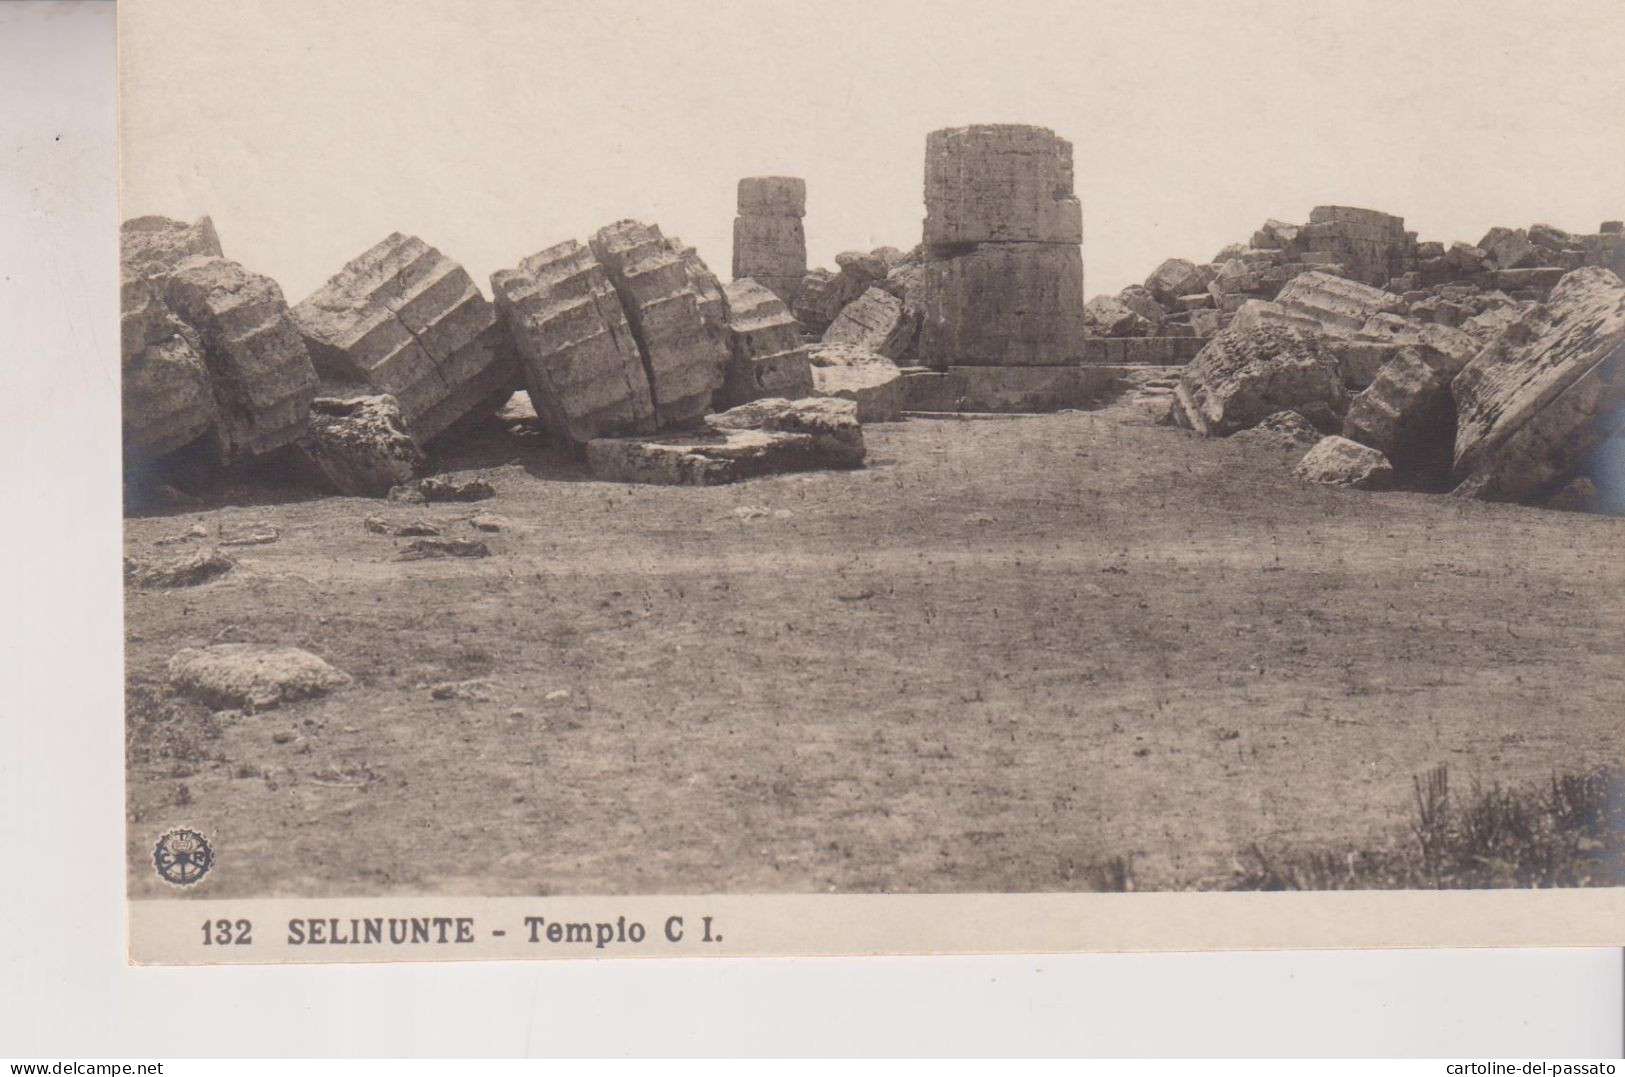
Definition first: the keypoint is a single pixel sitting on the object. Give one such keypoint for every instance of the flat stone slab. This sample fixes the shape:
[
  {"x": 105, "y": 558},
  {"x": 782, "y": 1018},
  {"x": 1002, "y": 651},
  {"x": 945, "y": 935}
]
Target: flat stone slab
[
  {"x": 1010, "y": 388},
  {"x": 760, "y": 438}
]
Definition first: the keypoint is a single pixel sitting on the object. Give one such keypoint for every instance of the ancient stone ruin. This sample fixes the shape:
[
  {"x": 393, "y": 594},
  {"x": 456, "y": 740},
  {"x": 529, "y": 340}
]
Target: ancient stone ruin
[
  {"x": 1491, "y": 368},
  {"x": 1003, "y": 279},
  {"x": 209, "y": 349},
  {"x": 770, "y": 246},
  {"x": 405, "y": 320},
  {"x": 582, "y": 367}
]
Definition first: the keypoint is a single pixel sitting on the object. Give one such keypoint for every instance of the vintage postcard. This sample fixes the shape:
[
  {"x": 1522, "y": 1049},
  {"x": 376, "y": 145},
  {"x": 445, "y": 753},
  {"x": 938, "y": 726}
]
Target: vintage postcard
[{"x": 610, "y": 479}]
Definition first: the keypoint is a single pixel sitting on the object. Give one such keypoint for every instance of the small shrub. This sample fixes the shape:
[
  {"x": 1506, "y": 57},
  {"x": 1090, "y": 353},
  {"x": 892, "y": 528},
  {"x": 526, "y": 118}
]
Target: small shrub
[{"x": 1568, "y": 832}]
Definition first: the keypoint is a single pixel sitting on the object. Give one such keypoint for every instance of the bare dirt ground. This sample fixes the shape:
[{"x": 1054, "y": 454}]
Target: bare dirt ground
[{"x": 1005, "y": 654}]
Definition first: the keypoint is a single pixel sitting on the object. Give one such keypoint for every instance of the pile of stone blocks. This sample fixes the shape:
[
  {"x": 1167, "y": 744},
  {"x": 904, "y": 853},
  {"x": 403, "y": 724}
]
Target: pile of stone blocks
[
  {"x": 1003, "y": 235},
  {"x": 209, "y": 350},
  {"x": 403, "y": 320},
  {"x": 770, "y": 245}
]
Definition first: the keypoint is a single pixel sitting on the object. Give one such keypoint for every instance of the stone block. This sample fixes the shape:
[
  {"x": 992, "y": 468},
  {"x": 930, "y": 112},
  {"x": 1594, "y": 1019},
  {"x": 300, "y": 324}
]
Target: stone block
[
  {"x": 998, "y": 183},
  {"x": 581, "y": 365},
  {"x": 684, "y": 355},
  {"x": 1545, "y": 393},
  {"x": 1004, "y": 303},
  {"x": 260, "y": 374},
  {"x": 404, "y": 320},
  {"x": 766, "y": 355}
]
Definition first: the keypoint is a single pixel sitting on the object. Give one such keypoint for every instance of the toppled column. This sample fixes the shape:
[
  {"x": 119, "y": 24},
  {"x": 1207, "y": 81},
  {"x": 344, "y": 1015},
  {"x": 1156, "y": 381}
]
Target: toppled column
[
  {"x": 1003, "y": 235},
  {"x": 404, "y": 320},
  {"x": 581, "y": 365},
  {"x": 766, "y": 355},
  {"x": 661, "y": 288},
  {"x": 208, "y": 347},
  {"x": 260, "y": 372},
  {"x": 770, "y": 246},
  {"x": 165, "y": 384}
]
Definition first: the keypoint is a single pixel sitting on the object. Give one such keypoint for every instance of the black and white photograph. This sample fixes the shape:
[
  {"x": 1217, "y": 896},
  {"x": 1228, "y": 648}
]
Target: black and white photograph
[{"x": 915, "y": 457}]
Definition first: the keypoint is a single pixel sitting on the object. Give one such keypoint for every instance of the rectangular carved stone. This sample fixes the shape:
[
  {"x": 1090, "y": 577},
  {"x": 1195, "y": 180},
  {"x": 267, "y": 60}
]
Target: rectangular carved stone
[
  {"x": 766, "y": 355},
  {"x": 684, "y": 355},
  {"x": 581, "y": 365},
  {"x": 996, "y": 183},
  {"x": 1004, "y": 304},
  {"x": 869, "y": 321},
  {"x": 405, "y": 320}
]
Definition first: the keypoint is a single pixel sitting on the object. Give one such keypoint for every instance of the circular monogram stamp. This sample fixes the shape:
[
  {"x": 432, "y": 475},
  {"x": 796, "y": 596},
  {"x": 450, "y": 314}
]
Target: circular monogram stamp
[{"x": 182, "y": 857}]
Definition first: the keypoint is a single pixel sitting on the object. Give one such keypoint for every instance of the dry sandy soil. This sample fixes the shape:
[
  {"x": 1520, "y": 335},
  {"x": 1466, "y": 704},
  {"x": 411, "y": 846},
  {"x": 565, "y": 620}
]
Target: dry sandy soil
[{"x": 1006, "y": 653}]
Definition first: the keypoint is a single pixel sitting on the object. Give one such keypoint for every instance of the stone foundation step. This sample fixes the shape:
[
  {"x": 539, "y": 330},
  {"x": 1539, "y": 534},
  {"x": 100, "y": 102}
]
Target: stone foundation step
[{"x": 1024, "y": 389}]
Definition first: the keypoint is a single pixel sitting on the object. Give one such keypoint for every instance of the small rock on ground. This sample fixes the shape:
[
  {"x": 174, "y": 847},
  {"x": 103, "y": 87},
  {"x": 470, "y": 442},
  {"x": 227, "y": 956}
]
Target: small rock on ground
[{"x": 252, "y": 676}]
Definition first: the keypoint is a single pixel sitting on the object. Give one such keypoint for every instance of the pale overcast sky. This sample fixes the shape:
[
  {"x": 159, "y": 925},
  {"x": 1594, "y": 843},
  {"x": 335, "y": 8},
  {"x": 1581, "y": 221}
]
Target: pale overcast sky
[{"x": 493, "y": 128}]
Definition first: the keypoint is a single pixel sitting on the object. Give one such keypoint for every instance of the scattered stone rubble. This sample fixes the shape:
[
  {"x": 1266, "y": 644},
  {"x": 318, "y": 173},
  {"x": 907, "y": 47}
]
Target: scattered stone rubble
[
  {"x": 357, "y": 446},
  {"x": 770, "y": 246}
]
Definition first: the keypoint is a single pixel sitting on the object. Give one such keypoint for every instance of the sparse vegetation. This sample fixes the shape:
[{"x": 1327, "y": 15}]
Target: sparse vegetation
[{"x": 1568, "y": 832}]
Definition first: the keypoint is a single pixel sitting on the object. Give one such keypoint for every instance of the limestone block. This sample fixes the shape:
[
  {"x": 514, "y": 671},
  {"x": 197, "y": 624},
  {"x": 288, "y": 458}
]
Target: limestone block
[
  {"x": 997, "y": 183},
  {"x": 154, "y": 246},
  {"x": 406, "y": 321},
  {"x": 1337, "y": 461},
  {"x": 260, "y": 374},
  {"x": 1244, "y": 375},
  {"x": 1545, "y": 393},
  {"x": 165, "y": 384},
  {"x": 581, "y": 365},
  {"x": 1406, "y": 413},
  {"x": 684, "y": 356},
  {"x": 867, "y": 378},
  {"x": 868, "y": 322},
  {"x": 357, "y": 446},
  {"x": 766, "y": 355},
  {"x": 1004, "y": 303}
]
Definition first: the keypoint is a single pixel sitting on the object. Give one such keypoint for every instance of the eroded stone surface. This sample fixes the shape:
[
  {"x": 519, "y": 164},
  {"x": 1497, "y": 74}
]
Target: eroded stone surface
[
  {"x": 260, "y": 374},
  {"x": 1244, "y": 375},
  {"x": 1004, "y": 304},
  {"x": 865, "y": 377},
  {"x": 581, "y": 365},
  {"x": 1406, "y": 413},
  {"x": 1544, "y": 394},
  {"x": 406, "y": 321},
  {"x": 770, "y": 245},
  {"x": 252, "y": 676},
  {"x": 165, "y": 384},
  {"x": 685, "y": 353},
  {"x": 995, "y": 183},
  {"x": 767, "y": 357},
  {"x": 869, "y": 321},
  {"x": 357, "y": 446},
  {"x": 1337, "y": 461},
  {"x": 759, "y": 438},
  {"x": 154, "y": 246}
]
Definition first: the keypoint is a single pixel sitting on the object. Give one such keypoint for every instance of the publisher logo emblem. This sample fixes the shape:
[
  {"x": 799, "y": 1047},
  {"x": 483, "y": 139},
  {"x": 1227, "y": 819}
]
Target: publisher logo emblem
[{"x": 182, "y": 857}]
